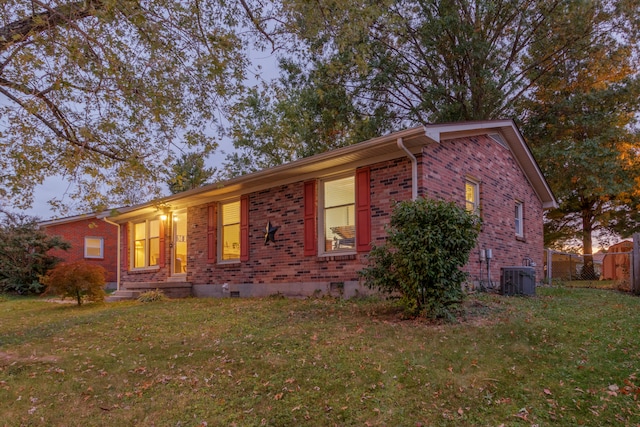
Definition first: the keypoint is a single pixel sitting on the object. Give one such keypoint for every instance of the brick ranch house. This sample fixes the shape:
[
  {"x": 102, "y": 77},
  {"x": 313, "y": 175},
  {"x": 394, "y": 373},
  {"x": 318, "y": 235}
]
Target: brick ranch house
[
  {"x": 325, "y": 211},
  {"x": 92, "y": 240}
]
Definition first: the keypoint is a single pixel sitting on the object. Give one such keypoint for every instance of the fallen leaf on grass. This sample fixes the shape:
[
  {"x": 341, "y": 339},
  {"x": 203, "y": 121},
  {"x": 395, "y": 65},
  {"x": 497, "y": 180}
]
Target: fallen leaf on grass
[
  {"x": 522, "y": 414},
  {"x": 547, "y": 392}
]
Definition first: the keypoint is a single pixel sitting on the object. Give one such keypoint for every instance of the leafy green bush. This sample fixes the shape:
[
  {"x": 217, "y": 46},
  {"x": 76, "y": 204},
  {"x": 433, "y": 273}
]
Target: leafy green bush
[
  {"x": 151, "y": 296},
  {"x": 77, "y": 280},
  {"x": 24, "y": 253},
  {"x": 428, "y": 241}
]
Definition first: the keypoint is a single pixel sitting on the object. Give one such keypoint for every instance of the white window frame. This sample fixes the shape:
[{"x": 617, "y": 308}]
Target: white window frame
[
  {"x": 221, "y": 225},
  {"x": 88, "y": 246},
  {"x": 147, "y": 239},
  {"x": 322, "y": 238},
  {"x": 519, "y": 218},
  {"x": 469, "y": 182}
]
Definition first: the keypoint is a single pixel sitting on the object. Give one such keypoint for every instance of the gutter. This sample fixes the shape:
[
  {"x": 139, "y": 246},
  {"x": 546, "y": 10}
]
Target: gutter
[
  {"x": 414, "y": 168},
  {"x": 105, "y": 219}
]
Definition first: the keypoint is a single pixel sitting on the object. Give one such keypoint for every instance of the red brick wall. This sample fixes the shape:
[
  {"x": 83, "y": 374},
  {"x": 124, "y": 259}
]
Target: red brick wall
[
  {"x": 281, "y": 262},
  {"x": 442, "y": 170},
  {"x": 150, "y": 274},
  {"x": 75, "y": 232}
]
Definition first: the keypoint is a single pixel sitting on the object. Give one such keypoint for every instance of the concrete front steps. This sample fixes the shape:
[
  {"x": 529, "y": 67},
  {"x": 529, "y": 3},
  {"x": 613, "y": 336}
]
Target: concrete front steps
[
  {"x": 123, "y": 295},
  {"x": 129, "y": 291}
]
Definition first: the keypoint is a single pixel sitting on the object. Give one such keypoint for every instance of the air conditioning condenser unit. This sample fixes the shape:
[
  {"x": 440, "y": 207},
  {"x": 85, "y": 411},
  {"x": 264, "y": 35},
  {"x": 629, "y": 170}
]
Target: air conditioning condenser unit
[{"x": 519, "y": 280}]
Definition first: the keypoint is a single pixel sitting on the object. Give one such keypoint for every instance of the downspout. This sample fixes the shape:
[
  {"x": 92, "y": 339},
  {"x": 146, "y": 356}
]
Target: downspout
[
  {"x": 117, "y": 253},
  {"x": 414, "y": 169}
]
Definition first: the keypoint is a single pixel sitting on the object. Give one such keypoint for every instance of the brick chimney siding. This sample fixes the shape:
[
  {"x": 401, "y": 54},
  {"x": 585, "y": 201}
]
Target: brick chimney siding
[
  {"x": 442, "y": 170},
  {"x": 75, "y": 232}
]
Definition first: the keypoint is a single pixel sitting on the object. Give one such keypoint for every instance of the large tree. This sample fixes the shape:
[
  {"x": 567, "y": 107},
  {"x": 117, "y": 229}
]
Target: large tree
[
  {"x": 581, "y": 120},
  {"x": 100, "y": 91},
  {"x": 567, "y": 69},
  {"x": 307, "y": 110},
  {"x": 188, "y": 172},
  {"x": 433, "y": 60},
  {"x": 387, "y": 64}
]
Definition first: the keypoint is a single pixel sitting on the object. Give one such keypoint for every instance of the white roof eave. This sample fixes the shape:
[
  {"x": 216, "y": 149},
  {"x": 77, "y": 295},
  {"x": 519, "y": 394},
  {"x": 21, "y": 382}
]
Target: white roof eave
[{"x": 350, "y": 157}]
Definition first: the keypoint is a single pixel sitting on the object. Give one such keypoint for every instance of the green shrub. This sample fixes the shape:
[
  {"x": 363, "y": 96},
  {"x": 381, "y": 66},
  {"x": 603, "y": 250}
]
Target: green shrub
[
  {"x": 428, "y": 241},
  {"x": 151, "y": 296},
  {"x": 24, "y": 253},
  {"x": 76, "y": 280}
]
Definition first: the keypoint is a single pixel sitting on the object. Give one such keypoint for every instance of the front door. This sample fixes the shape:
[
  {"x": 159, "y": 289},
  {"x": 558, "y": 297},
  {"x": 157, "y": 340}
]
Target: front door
[{"x": 179, "y": 252}]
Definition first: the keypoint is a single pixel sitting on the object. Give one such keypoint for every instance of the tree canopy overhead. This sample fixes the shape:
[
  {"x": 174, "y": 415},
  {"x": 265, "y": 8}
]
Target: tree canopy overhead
[
  {"x": 385, "y": 64},
  {"x": 566, "y": 70},
  {"x": 308, "y": 110},
  {"x": 101, "y": 91},
  {"x": 433, "y": 61}
]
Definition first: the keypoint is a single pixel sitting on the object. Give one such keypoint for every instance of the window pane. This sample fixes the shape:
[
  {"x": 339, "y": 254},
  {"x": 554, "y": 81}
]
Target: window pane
[
  {"x": 140, "y": 231},
  {"x": 231, "y": 241},
  {"x": 154, "y": 228},
  {"x": 93, "y": 247},
  {"x": 93, "y": 253},
  {"x": 471, "y": 196},
  {"x": 154, "y": 250},
  {"x": 518, "y": 219},
  {"x": 339, "y": 214},
  {"x": 231, "y": 213},
  {"x": 139, "y": 253},
  {"x": 339, "y": 192}
]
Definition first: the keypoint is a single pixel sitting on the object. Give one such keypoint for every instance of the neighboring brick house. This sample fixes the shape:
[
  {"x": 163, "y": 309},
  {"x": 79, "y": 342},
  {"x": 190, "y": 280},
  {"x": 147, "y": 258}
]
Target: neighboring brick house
[
  {"x": 92, "y": 239},
  {"x": 330, "y": 208}
]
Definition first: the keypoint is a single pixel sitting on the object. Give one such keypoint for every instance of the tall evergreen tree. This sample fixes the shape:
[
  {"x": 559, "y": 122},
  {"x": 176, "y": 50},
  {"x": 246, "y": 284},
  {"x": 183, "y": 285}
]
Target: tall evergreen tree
[
  {"x": 307, "y": 111},
  {"x": 581, "y": 122},
  {"x": 188, "y": 172}
]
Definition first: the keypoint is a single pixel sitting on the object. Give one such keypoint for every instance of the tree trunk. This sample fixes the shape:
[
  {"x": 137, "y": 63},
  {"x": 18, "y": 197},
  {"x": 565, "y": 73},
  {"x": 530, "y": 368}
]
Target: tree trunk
[
  {"x": 79, "y": 297},
  {"x": 588, "y": 271}
]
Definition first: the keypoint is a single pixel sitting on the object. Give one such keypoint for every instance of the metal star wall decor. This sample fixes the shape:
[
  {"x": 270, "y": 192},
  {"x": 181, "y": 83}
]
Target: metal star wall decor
[{"x": 270, "y": 233}]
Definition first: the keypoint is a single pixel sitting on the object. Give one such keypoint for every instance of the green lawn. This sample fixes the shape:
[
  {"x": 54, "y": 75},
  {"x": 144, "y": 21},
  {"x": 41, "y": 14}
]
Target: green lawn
[{"x": 567, "y": 357}]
